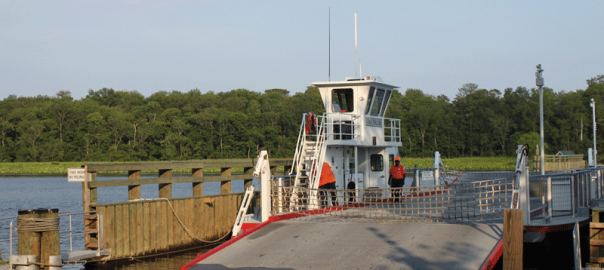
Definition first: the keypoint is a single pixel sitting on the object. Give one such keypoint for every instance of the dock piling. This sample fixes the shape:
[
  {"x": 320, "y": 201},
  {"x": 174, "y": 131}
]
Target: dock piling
[{"x": 39, "y": 238}]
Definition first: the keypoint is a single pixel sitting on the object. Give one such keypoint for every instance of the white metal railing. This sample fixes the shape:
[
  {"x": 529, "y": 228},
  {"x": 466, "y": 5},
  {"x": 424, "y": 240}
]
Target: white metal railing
[
  {"x": 70, "y": 231},
  {"x": 302, "y": 155},
  {"x": 342, "y": 126},
  {"x": 299, "y": 144},
  {"x": 563, "y": 194},
  {"x": 392, "y": 130},
  {"x": 465, "y": 201},
  {"x": 316, "y": 160}
]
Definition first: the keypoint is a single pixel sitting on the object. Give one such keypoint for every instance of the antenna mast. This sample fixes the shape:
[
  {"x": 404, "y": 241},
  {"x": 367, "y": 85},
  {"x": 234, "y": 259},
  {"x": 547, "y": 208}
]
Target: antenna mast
[
  {"x": 329, "y": 55},
  {"x": 356, "y": 61}
]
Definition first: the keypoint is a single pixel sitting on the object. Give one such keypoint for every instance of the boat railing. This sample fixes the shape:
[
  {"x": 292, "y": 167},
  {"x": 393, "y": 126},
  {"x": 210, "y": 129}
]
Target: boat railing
[
  {"x": 392, "y": 130},
  {"x": 299, "y": 144},
  {"x": 341, "y": 126},
  {"x": 319, "y": 153},
  {"x": 564, "y": 194},
  {"x": 466, "y": 201}
]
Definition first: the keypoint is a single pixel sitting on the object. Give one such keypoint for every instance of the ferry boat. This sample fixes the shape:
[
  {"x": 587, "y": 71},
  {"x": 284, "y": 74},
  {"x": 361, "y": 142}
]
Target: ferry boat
[
  {"x": 359, "y": 144},
  {"x": 353, "y": 137}
]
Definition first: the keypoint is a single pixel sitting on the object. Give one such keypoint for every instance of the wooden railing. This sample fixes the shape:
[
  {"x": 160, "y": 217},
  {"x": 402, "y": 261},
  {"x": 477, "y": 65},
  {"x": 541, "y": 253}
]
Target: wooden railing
[
  {"x": 559, "y": 162},
  {"x": 142, "y": 227}
]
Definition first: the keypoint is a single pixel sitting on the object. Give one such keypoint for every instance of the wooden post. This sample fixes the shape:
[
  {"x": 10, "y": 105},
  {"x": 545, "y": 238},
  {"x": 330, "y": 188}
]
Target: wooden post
[
  {"x": 197, "y": 186},
  {"x": 49, "y": 240},
  {"x": 93, "y": 193},
  {"x": 596, "y": 236},
  {"x": 134, "y": 192},
  {"x": 225, "y": 186},
  {"x": 513, "y": 237},
  {"x": 28, "y": 242},
  {"x": 165, "y": 190},
  {"x": 90, "y": 201},
  {"x": 247, "y": 171}
]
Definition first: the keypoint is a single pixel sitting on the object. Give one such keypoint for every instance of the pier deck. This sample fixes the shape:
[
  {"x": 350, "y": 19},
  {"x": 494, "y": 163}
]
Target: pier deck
[{"x": 307, "y": 243}]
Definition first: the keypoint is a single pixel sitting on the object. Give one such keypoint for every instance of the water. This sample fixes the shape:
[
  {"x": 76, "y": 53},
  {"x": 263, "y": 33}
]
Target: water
[{"x": 31, "y": 192}]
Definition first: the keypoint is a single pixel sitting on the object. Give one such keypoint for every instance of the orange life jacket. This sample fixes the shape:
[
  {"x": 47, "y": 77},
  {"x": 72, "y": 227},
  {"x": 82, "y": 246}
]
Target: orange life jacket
[
  {"x": 311, "y": 123},
  {"x": 326, "y": 175}
]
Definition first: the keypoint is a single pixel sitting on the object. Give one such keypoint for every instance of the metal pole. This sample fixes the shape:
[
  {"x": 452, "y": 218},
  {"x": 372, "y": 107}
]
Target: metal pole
[
  {"x": 539, "y": 83},
  {"x": 279, "y": 195},
  {"x": 595, "y": 152},
  {"x": 599, "y": 181},
  {"x": 70, "y": 237},
  {"x": 437, "y": 167},
  {"x": 572, "y": 194},
  {"x": 585, "y": 190},
  {"x": 356, "y": 61},
  {"x": 10, "y": 254},
  {"x": 549, "y": 197},
  {"x": 356, "y": 171}
]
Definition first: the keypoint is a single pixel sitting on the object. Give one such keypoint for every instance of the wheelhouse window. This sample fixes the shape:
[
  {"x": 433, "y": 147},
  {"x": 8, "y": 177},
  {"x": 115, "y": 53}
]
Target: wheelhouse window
[
  {"x": 342, "y": 100},
  {"x": 377, "y": 102},
  {"x": 371, "y": 91},
  {"x": 385, "y": 103},
  {"x": 377, "y": 163}
]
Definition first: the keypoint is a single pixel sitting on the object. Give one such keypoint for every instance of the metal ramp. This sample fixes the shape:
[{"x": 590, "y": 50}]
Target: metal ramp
[
  {"x": 83, "y": 255},
  {"x": 297, "y": 244}
]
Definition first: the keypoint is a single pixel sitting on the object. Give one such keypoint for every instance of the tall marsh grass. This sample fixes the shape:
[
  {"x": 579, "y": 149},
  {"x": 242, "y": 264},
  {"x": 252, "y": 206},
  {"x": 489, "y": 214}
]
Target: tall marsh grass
[{"x": 461, "y": 164}]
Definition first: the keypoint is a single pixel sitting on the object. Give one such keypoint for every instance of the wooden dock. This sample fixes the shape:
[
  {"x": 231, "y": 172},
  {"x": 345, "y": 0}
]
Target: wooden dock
[{"x": 142, "y": 227}]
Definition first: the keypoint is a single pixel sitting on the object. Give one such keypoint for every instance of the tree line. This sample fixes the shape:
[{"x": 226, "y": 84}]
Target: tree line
[{"x": 109, "y": 125}]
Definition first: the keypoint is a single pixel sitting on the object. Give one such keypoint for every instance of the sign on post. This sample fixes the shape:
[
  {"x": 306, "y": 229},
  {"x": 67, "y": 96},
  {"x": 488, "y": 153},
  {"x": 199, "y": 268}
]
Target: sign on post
[
  {"x": 427, "y": 176},
  {"x": 76, "y": 175}
]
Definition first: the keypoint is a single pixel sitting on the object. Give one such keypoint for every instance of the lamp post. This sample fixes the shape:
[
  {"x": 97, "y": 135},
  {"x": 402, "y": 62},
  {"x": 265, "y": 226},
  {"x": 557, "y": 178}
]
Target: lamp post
[
  {"x": 595, "y": 152},
  {"x": 539, "y": 83}
]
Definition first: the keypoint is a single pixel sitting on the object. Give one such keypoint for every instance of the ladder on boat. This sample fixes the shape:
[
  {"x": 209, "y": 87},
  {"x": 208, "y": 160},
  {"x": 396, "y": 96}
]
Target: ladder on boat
[{"x": 308, "y": 161}]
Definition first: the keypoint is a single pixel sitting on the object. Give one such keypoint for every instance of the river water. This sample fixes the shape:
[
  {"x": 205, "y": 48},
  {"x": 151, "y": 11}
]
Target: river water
[{"x": 32, "y": 192}]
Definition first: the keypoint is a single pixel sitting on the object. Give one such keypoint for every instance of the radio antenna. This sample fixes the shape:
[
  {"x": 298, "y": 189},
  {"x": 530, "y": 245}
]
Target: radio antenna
[
  {"x": 329, "y": 55},
  {"x": 356, "y": 61}
]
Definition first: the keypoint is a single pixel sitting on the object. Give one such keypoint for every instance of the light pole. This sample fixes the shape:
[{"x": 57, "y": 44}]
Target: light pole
[
  {"x": 539, "y": 83},
  {"x": 595, "y": 152}
]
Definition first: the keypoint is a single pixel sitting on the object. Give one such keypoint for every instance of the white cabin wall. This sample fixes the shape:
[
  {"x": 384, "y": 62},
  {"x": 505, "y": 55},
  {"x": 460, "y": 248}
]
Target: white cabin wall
[
  {"x": 335, "y": 158},
  {"x": 326, "y": 97},
  {"x": 377, "y": 132},
  {"x": 363, "y": 163}
]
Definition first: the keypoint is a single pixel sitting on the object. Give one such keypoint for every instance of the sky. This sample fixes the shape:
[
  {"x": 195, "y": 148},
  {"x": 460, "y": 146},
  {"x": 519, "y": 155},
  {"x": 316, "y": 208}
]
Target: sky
[{"x": 435, "y": 46}]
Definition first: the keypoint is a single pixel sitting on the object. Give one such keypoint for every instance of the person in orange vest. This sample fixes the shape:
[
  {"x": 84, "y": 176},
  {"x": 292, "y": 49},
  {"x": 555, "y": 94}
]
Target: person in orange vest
[
  {"x": 396, "y": 180},
  {"x": 328, "y": 181}
]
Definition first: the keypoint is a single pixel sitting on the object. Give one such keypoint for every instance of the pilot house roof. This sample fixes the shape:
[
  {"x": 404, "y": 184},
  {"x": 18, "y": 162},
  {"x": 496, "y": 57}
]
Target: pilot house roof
[{"x": 350, "y": 82}]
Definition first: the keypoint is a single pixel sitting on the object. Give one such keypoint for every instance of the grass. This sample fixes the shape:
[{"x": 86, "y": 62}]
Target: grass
[
  {"x": 461, "y": 164},
  {"x": 2, "y": 262},
  {"x": 37, "y": 167},
  {"x": 465, "y": 163},
  {"x": 60, "y": 168}
]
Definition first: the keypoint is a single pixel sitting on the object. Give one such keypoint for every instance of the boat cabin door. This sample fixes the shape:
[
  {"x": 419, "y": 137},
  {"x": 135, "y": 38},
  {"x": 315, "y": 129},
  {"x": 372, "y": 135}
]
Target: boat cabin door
[{"x": 378, "y": 162}]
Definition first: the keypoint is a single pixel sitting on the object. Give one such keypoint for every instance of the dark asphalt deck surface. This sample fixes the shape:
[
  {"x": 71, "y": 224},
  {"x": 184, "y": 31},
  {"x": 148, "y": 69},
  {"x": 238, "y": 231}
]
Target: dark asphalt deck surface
[{"x": 320, "y": 244}]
